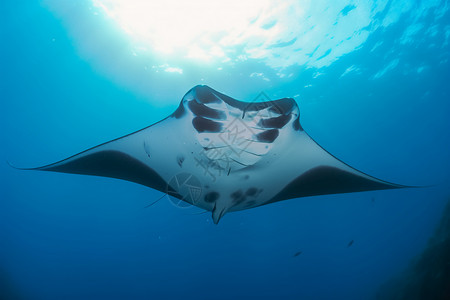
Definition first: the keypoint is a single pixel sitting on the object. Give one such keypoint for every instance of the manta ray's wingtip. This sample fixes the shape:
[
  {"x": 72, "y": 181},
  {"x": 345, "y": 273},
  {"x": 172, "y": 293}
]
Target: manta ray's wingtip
[
  {"x": 392, "y": 185},
  {"x": 403, "y": 186},
  {"x": 39, "y": 168},
  {"x": 420, "y": 186},
  {"x": 21, "y": 168},
  {"x": 10, "y": 164},
  {"x": 14, "y": 167},
  {"x": 406, "y": 186}
]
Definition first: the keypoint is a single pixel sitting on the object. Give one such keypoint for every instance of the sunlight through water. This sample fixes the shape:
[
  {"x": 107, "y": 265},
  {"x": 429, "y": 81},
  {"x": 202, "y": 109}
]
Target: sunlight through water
[
  {"x": 305, "y": 32},
  {"x": 145, "y": 45}
]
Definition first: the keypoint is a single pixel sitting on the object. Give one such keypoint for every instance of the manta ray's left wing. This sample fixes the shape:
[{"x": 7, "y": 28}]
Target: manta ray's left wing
[{"x": 122, "y": 158}]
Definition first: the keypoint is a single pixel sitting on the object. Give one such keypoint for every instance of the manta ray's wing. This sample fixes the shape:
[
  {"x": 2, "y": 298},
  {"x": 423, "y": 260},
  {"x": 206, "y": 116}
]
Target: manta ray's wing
[
  {"x": 241, "y": 155},
  {"x": 119, "y": 158},
  {"x": 282, "y": 159},
  {"x": 321, "y": 173}
]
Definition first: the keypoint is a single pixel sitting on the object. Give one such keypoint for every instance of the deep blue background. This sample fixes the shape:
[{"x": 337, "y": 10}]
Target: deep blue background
[{"x": 80, "y": 237}]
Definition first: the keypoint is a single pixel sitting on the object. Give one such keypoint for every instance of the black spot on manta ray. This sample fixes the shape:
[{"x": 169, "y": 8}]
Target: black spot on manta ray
[
  {"x": 277, "y": 122},
  {"x": 206, "y": 125},
  {"x": 250, "y": 203},
  {"x": 296, "y": 125},
  {"x": 238, "y": 197},
  {"x": 179, "y": 112},
  {"x": 202, "y": 110},
  {"x": 267, "y": 136},
  {"x": 251, "y": 191},
  {"x": 237, "y": 194},
  {"x": 204, "y": 95},
  {"x": 283, "y": 106},
  {"x": 211, "y": 197},
  {"x": 180, "y": 160},
  {"x": 256, "y": 106}
]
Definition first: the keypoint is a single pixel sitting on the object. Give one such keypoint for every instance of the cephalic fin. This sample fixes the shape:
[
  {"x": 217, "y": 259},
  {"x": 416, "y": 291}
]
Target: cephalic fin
[{"x": 218, "y": 212}]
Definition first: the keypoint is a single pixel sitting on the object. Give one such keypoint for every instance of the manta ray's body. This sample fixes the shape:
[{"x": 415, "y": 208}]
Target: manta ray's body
[{"x": 221, "y": 155}]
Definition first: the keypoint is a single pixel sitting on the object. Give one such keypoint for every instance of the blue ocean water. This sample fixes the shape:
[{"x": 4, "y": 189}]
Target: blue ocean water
[{"x": 373, "y": 90}]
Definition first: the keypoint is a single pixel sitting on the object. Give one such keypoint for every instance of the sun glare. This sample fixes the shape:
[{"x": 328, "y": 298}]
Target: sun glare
[
  {"x": 196, "y": 28},
  {"x": 312, "y": 33}
]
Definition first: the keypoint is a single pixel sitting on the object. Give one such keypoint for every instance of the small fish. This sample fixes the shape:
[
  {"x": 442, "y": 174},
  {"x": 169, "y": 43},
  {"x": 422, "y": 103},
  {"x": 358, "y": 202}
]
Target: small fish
[
  {"x": 350, "y": 243},
  {"x": 297, "y": 253},
  {"x": 229, "y": 170}
]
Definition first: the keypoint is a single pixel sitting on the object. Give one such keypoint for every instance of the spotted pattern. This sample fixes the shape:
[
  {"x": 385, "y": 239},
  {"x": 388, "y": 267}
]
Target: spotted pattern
[
  {"x": 180, "y": 160},
  {"x": 211, "y": 197},
  {"x": 202, "y": 110},
  {"x": 238, "y": 197},
  {"x": 248, "y": 198},
  {"x": 296, "y": 125},
  {"x": 236, "y": 134},
  {"x": 276, "y": 122},
  {"x": 268, "y": 136},
  {"x": 250, "y": 203},
  {"x": 206, "y": 125},
  {"x": 180, "y": 112},
  {"x": 251, "y": 191}
]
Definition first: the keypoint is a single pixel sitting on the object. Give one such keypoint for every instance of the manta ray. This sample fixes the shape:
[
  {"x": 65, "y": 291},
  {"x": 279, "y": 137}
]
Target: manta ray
[{"x": 223, "y": 155}]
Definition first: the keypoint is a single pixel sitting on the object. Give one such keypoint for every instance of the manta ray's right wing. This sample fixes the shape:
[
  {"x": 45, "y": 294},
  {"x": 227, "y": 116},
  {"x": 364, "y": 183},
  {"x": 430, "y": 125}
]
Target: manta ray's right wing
[{"x": 321, "y": 173}]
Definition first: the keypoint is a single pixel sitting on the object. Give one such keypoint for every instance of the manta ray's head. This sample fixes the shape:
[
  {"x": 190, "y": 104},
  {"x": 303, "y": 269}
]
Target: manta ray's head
[{"x": 210, "y": 109}]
